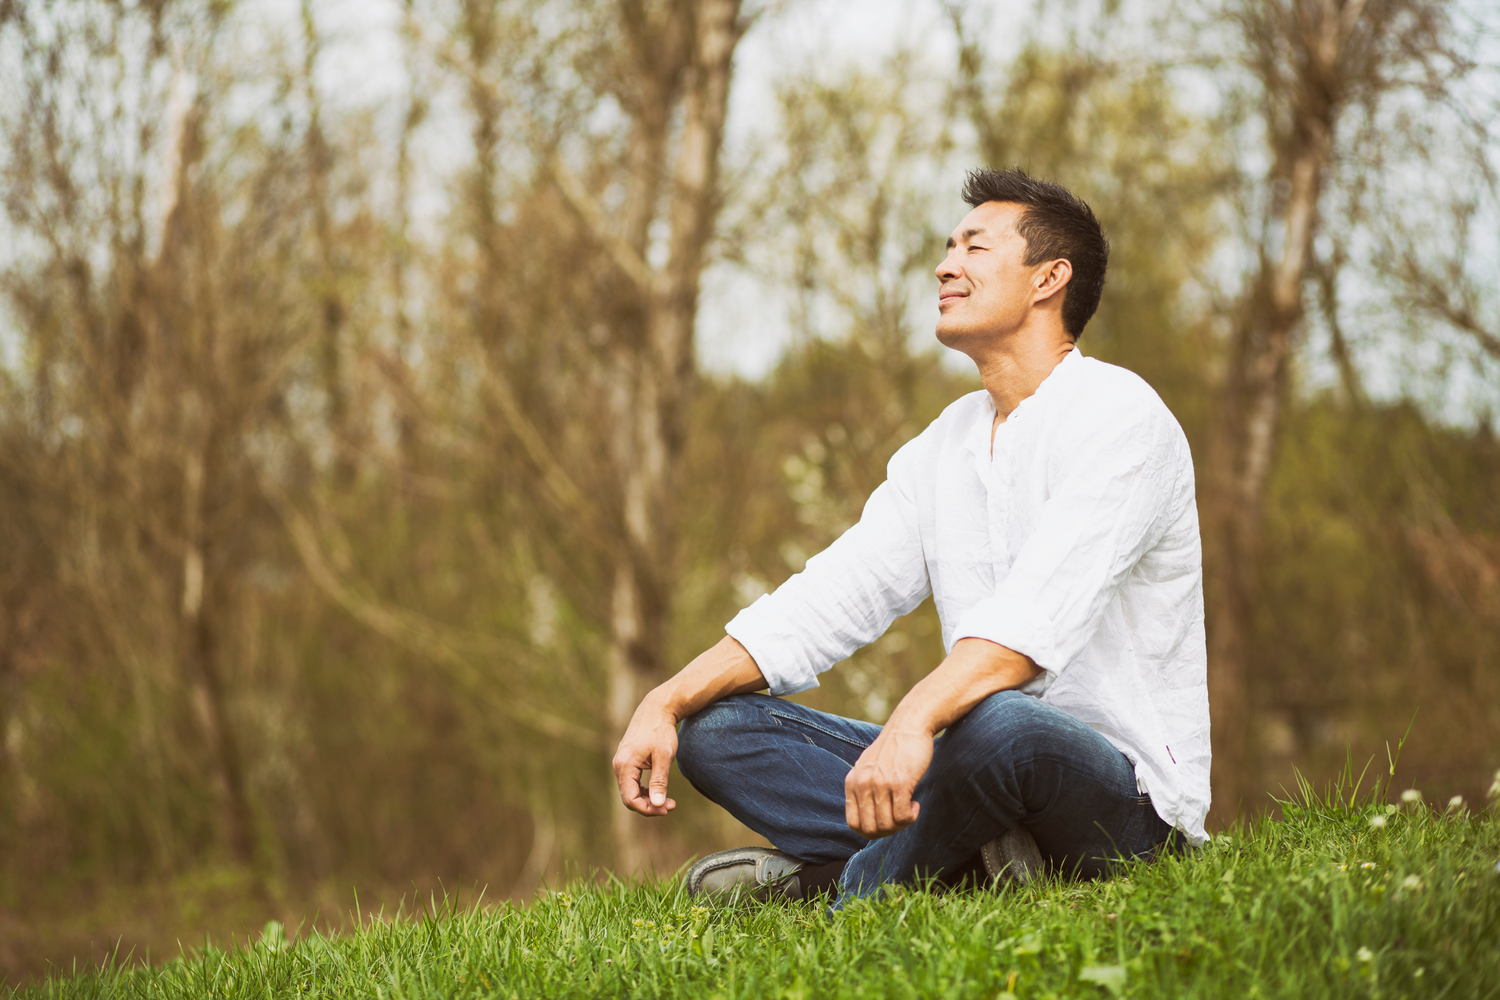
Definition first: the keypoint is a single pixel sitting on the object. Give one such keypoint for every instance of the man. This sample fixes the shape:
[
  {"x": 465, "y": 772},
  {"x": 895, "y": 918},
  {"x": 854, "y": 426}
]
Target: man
[{"x": 1052, "y": 517}]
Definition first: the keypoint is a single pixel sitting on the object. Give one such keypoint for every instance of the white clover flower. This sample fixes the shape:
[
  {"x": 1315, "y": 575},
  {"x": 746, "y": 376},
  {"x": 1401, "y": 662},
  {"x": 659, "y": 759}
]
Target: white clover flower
[
  {"x": 1411, "y": 797},
  {"x": 1378, "y": 820},
  {"x": 1364, "y": 954},
  {"x": 1456, "y": 803},
  {"x": 1413, "y": 883}
]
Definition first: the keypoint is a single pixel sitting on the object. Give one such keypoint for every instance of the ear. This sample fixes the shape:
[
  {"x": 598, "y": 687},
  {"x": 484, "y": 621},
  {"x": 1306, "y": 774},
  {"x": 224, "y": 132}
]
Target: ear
[{"x": 1051, "y": 278}]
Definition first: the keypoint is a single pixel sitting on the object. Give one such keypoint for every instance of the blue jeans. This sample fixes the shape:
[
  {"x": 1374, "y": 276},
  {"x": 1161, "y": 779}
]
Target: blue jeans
[{"x": 779, "y": 768}]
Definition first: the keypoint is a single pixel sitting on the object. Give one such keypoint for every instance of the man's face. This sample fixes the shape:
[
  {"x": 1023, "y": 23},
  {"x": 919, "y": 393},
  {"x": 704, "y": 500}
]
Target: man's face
[{"x": 984, "y": 287}]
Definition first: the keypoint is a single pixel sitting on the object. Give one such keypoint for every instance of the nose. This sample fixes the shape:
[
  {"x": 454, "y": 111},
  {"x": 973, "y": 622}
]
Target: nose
[{"x": 947, "y": 268}]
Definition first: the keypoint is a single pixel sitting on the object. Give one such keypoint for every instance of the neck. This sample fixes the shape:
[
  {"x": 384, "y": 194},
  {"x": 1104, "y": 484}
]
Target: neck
[{"x": 1012, "y": 367}]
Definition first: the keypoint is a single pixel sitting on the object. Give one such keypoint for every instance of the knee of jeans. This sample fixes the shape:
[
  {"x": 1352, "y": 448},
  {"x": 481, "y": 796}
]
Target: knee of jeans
[
  {"x": 703, "y": 735},
  {"x": 1006, "y": 722}
]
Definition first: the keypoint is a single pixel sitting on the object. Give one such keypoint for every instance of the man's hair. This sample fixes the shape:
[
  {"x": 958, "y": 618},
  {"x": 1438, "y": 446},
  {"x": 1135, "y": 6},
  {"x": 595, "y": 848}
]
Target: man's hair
[{"x": 1055, "y": 224}]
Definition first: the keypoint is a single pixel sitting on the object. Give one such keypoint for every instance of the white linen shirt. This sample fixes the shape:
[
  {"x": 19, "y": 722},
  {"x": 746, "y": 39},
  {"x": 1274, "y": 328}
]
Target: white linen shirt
[{"x": 1075, "y": 542}]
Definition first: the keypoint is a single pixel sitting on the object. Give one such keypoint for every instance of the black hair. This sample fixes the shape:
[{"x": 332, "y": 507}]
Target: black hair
[{"x": 1056, "y": 224}]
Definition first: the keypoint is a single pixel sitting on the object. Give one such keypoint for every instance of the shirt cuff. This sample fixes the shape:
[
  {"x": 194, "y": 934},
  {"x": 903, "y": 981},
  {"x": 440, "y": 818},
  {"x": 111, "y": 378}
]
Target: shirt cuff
[
  {"x": 778, "y": 654},
  {"x": 1017, "y": 625}
]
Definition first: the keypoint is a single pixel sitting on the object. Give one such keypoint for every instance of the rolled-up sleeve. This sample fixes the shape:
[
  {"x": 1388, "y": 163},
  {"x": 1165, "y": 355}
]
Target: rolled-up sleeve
[
  {"x": 1117, "y": 493},
  {"x": 848, "y": 594}
]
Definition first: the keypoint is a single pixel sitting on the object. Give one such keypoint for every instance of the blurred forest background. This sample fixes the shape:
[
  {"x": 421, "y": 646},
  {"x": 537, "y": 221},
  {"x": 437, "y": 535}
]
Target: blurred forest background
[{"x": 360, "y": 467}]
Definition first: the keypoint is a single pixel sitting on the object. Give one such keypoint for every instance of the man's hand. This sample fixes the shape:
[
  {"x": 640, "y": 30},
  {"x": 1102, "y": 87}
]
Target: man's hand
[
  {"x": 877, "y": 792},
  {"x": 650, "y": 743}
]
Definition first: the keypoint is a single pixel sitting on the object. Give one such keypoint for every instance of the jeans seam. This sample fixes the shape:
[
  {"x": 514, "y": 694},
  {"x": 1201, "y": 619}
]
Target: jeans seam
[
  {"x": 1069, "y": 765},
  {"x": 812, "y": 725}
]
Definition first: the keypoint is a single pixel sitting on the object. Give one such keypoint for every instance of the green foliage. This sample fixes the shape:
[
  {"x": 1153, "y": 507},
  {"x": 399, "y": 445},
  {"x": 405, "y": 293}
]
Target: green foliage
[
  {"x": 1323, "y": 903},
  {"x": 1373, "y": 604}
]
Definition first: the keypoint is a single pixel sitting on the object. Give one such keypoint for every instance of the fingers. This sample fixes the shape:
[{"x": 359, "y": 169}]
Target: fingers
[
  {"x": 648, "y": 800},
  {"x": 903, "y": 809},
  {"x": 649, "y": 744},
  {"x": 881, "y": 805},
  {"x": 880, "y": 813},
  {"x": 875, "y": 806},
  {"x": 628, "y": 777},
  {"x": 859, "y": 797},
  {"x": 878, "y": 790},
  {"x": 661, "y": 766}
]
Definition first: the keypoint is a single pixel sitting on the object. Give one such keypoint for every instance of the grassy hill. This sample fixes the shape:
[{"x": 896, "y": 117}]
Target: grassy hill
[{"x": 1332, "y": 900}]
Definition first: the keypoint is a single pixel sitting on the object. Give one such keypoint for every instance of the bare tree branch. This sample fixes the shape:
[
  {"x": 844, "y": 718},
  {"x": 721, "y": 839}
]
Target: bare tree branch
[
  {"x": 1434, "y": 296},
  {"x": 622, "y": 253},
  {"x": 440, "y": 644}
]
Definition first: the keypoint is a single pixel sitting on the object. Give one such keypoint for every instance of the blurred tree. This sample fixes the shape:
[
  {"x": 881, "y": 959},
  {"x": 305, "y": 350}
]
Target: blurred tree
[
  {"x": 1374, "y": 607},
  {"x": 606, "y": 238},
  {"x": 675, "y": 65},
  {"x": 157, "y": 346},
  {"x": 1320, "y": 75},
  {"x": 843, "y": 220}
]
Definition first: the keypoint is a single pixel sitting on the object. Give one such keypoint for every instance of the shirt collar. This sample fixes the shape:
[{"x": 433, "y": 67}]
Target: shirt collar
[{"x": 978, "y": 441}]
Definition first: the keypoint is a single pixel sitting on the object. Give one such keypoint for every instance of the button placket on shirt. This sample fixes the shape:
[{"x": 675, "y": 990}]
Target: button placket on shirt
[{"x": 996, "y": 473}]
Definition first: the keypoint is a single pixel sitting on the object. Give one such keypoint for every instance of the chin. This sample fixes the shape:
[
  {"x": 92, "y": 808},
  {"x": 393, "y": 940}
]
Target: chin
[{"x": 954, "y": 337}]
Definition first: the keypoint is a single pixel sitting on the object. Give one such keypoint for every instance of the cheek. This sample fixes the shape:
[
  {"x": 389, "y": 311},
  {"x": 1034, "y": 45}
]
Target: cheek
[
  {"x": 1007, "y": 295},
  {"x": 999, "y": 297}
]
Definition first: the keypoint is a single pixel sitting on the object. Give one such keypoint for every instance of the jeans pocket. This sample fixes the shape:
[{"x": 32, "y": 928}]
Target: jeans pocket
[{"x": 843, "y": 743}]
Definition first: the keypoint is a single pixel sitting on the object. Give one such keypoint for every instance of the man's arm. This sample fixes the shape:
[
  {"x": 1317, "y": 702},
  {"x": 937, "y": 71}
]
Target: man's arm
[
  {"x": 877, "y": 792},
  {"x": 848, "y": 594},
  {"x": 845, "y": 597},
  {"x": 650, "y": 741}
]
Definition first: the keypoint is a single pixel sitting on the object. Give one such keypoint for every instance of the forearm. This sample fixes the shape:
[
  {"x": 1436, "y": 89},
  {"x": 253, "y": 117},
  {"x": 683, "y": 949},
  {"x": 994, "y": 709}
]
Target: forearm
[
  {"x": 976, "y": 669},
  {"x": 724, "y": 669}
]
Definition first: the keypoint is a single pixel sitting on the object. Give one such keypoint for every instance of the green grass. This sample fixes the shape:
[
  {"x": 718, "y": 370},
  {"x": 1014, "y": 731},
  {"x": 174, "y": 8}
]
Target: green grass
[{"x": 1318, "y": 903}]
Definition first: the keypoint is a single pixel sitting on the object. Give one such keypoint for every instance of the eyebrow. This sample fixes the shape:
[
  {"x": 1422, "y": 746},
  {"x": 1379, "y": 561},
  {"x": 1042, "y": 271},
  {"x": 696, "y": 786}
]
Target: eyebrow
[{"x": 966, "y": 235}]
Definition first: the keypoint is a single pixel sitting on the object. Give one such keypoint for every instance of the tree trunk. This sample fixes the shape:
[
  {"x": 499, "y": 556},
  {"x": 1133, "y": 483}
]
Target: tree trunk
[
  {"x": 1256, "y": 383},
  {"x": 331, "y": 308},
  {"x": 400, "y": 258},
  {"x": 202, "y": 673},
  {"x": 13, "y": 766},
  {"x": 652, "y": 389}
]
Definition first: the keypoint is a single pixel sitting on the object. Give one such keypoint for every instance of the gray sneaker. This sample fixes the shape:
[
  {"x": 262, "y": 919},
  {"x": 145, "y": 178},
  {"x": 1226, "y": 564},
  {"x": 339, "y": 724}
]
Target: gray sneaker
[
  {"x": 1013, "y": 857},
  {"x": 744, "y": 874}
]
